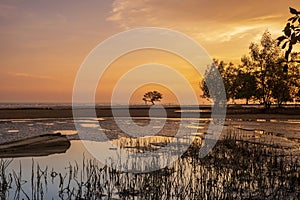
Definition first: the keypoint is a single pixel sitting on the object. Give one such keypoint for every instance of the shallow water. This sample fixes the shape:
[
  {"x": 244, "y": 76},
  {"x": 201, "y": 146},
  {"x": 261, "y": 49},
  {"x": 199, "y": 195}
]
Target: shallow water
[
  {"x": 56, "y": 162},
  {"x": 272, "y": 129},
  {"x": 76, "y": 155},
  {"x": 16, "y": 129},
  {"x": 284, "y": 133}
]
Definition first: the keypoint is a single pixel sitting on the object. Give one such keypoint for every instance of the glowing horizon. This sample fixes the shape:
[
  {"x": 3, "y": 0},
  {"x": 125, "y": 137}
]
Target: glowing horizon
[{"x": 44, "y": 43}]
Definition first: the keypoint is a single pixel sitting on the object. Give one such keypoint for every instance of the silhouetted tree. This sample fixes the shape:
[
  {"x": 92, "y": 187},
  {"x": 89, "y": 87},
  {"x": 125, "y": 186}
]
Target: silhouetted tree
[
  {"x": 275, "y": 82},
  {"x": 152, "y": 96},
  {"x": 230, "y": 79},
  {"x": 298, "y": 94},
  {"x": 216, "y": 76},
  {"x": 264, "y": 60},
  {"x": 281, "y": 91},
  {"x": 290, "y": 79},
  {"x": 239, "y": 82},
  {"x": 263, "y": 75},
  {"x": 245, "y": 81}
]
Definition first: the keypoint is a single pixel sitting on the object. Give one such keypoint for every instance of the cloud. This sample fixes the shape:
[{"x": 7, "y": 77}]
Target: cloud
[
  {"x": 31, "y": 76},
  {"x": 132, "y": 12},
  {"x": 212, "y": 23}
]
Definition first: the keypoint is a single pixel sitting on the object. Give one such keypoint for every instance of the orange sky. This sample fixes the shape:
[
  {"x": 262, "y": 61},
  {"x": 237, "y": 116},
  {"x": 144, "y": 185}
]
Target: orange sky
[{"x": 43, "y": 43}]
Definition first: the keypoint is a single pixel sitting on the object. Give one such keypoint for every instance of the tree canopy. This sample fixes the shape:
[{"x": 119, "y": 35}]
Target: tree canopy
[
  {"x": 262, "y": 75},
  {"x": 152, "y": 96}
]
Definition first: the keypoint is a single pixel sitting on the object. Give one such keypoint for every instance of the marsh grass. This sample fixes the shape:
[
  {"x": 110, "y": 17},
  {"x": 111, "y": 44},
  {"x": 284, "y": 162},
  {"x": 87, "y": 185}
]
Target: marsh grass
[{"x": 235, "y": 169}]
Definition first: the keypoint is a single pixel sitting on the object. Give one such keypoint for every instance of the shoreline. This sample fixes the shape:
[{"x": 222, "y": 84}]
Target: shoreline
[{"x": 143, "y": 111}]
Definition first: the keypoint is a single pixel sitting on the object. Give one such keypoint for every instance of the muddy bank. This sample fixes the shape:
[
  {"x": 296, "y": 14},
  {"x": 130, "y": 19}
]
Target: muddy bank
[{"x": 42, "y": 145}]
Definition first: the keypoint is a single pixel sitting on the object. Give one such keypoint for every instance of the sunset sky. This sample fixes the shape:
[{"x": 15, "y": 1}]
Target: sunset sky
[{"x": 43, "y": 43}]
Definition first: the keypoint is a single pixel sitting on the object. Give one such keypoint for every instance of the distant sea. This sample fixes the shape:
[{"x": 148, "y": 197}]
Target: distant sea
[{"x": 64, "y": 105}]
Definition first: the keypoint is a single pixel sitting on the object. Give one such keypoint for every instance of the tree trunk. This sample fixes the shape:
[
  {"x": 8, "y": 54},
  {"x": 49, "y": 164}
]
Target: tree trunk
[
  {"x": 267, "y": 105},
  {"x": 279, "y": 104}
]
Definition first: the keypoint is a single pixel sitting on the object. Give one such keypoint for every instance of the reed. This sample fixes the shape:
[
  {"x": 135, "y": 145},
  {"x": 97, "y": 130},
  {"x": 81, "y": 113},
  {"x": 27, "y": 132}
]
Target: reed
[{"x": 235, "y": 169}]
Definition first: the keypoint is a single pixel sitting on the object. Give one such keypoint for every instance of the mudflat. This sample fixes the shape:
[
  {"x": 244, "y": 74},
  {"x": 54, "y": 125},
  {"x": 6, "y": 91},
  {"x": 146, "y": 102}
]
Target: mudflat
[
  {"x": 37, "y": 140},
  {"x": 143, "y": 111}
]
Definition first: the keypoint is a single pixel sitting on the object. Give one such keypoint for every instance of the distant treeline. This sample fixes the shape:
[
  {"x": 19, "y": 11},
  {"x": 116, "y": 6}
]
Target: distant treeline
[{"x": 265, "y": 75}]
